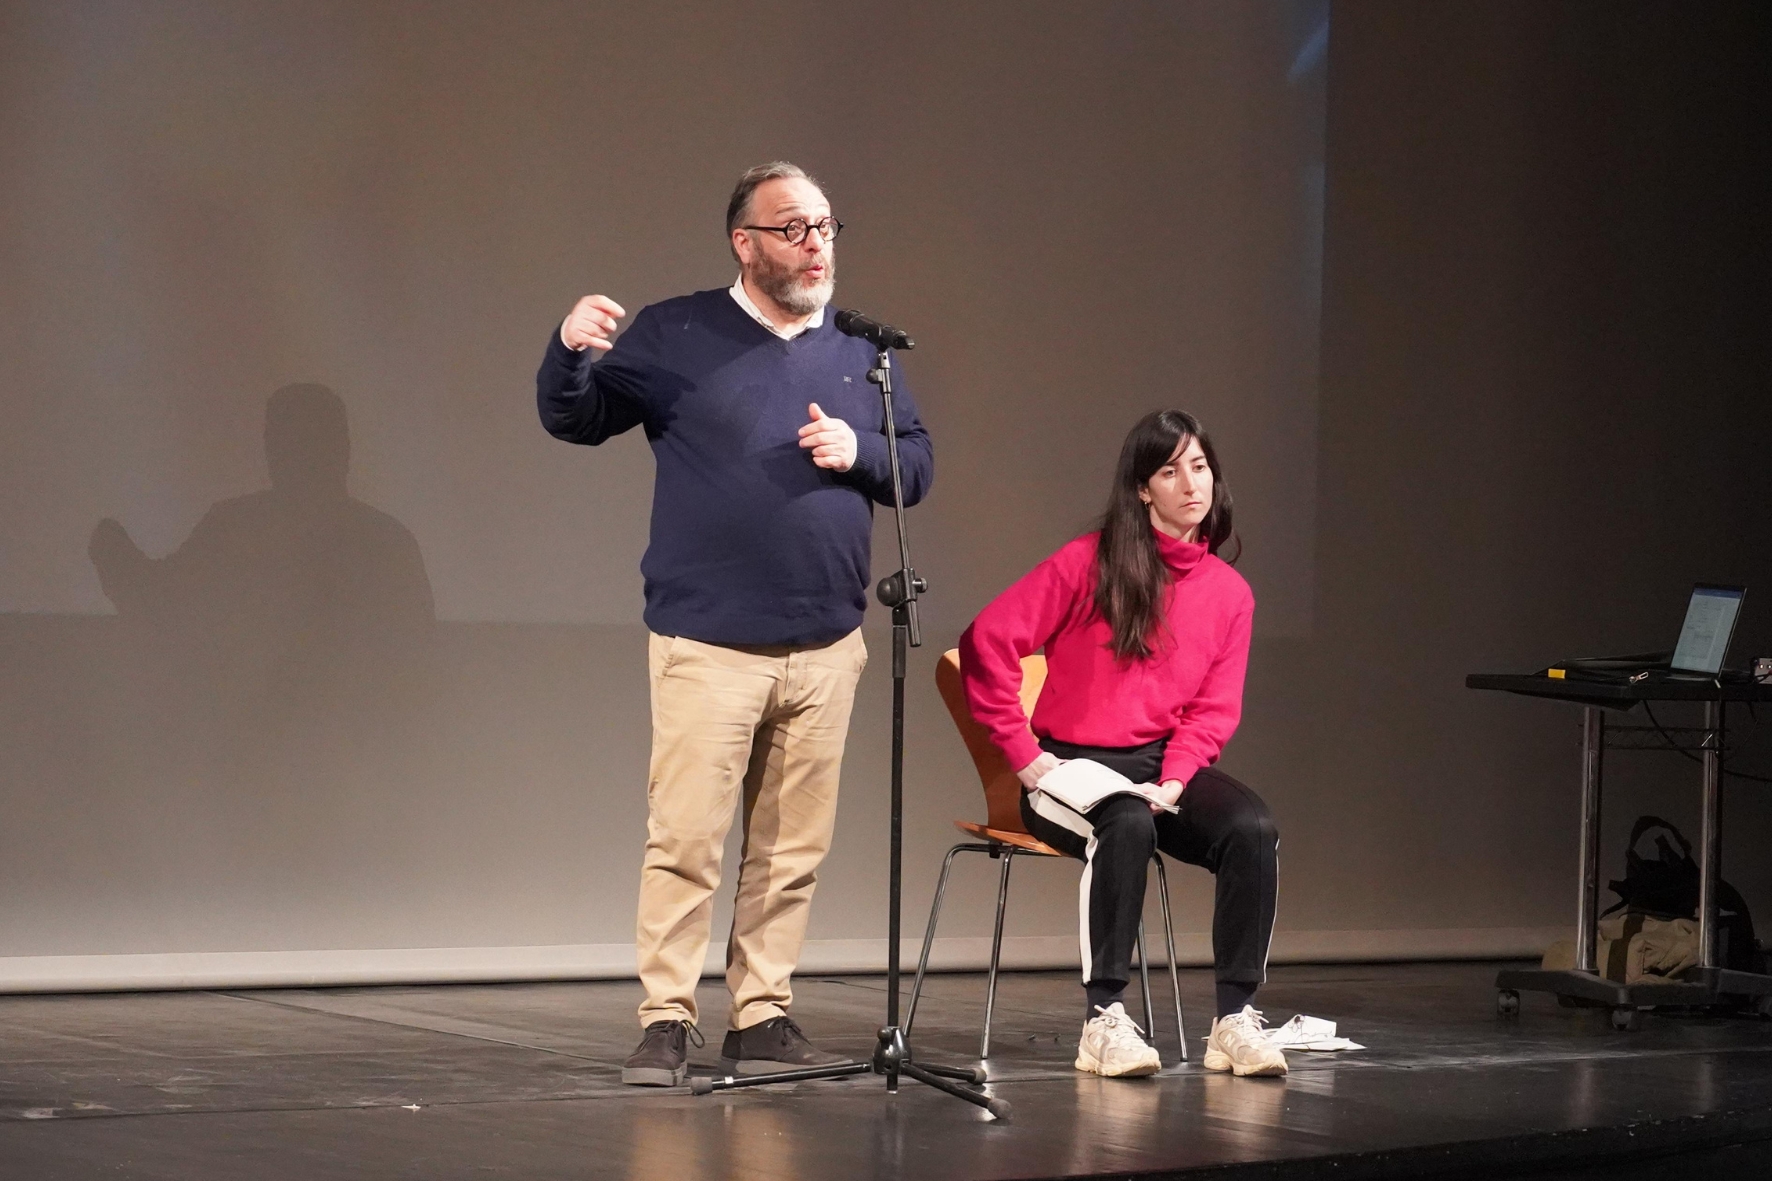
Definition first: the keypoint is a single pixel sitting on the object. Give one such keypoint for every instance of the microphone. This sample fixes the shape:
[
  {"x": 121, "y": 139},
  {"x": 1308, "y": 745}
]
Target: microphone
[{"x": 882, "y": 336}]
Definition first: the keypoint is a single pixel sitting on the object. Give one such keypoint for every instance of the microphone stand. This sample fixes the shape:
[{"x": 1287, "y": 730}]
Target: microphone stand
[{"x": 892, "y": 1054}]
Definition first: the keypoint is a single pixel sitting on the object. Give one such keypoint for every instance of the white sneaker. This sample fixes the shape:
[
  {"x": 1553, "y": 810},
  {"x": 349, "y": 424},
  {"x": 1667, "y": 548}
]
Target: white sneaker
[
  {"x": 1112, "y": 1046},
  {"x": 1237, "y": 1044}
]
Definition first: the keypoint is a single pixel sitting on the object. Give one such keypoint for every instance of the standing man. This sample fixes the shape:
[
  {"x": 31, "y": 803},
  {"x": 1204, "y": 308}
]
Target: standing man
[{"x": 771, "y": 453}]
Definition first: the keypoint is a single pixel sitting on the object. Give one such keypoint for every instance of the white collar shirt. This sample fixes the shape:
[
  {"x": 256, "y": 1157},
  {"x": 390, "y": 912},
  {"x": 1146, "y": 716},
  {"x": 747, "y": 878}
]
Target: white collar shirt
[{"x": 743, "y": 299}]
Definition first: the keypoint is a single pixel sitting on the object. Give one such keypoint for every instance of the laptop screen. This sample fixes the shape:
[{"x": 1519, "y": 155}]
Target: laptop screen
[{"x": 1710, "y": 622}]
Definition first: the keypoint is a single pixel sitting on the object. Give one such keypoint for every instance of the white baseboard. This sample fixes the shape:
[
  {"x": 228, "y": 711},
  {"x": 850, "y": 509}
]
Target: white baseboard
[{"x": 615, "y": 961}]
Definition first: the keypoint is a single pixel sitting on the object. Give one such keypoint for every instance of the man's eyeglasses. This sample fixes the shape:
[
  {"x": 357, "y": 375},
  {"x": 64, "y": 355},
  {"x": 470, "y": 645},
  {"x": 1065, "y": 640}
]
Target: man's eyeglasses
[{"x": 795, "y": 231}]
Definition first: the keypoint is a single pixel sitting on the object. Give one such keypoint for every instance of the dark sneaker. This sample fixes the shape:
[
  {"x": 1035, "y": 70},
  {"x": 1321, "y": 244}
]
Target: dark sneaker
[
  {"x": 770, "y": 1047},
  {"x": 663, "y": 1057}
]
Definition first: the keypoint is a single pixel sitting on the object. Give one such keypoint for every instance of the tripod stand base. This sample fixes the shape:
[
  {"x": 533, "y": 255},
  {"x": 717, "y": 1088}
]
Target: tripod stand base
[{"x": 892, "y": 1058}]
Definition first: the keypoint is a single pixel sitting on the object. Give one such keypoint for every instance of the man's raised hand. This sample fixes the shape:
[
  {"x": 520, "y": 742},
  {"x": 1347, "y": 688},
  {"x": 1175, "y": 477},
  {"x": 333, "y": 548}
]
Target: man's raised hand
[
  {"x": 829, "y": 439},
  {"x": 590, "y": 323}
]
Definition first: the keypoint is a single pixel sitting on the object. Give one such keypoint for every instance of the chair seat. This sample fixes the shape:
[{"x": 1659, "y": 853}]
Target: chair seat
[{"x": 1003, "y": 836}]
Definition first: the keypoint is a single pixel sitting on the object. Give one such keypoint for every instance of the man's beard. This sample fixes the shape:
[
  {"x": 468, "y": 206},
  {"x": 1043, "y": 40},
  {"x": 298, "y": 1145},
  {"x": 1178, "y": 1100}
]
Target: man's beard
[{"x": 781, "y": 283}]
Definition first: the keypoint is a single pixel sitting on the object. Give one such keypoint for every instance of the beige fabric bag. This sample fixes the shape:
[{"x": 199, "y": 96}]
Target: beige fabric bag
[
  {"x": 1662, "y": 950},
  {"x": 1635, "y": 949}
]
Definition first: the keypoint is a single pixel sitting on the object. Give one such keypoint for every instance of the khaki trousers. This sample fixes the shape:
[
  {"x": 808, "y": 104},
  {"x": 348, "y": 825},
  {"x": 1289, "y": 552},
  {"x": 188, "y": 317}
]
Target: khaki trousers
[{"x": 765, "y": 725}]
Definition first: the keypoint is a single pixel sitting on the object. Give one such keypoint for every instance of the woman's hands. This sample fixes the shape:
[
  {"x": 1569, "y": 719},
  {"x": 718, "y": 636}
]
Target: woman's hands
[
  {"x": 1030, "y": 774},
  {"x": 1162, "y": 795},
  {"x": 1166, "y": 794}
]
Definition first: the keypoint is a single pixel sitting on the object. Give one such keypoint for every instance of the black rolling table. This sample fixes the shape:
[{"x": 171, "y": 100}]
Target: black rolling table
[{"x": 1709, "y": 983}]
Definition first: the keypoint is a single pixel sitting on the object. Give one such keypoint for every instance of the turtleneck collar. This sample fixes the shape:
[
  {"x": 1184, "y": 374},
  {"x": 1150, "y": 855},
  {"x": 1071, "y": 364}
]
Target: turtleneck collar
[{"x": 1180, "y": 556}]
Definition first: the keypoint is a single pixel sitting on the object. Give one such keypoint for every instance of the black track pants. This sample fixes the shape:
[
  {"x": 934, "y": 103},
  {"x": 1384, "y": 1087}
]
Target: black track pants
[{"x": 1223, "y": 826}]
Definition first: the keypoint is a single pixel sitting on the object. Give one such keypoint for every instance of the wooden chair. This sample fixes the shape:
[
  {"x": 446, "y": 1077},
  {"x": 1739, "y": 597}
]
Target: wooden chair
[{"x": 1004, "y": 836}]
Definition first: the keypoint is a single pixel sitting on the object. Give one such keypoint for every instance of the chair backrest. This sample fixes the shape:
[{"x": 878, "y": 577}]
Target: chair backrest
[{"x": 1002, "y": 790}]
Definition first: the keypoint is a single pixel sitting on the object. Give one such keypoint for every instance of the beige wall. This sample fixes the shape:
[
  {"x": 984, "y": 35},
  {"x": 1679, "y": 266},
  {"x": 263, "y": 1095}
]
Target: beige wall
[
  {"x": 250, "y": 723},
  {"x": 1080, "y": 214},
  {"x": 1534, "y": 430}
]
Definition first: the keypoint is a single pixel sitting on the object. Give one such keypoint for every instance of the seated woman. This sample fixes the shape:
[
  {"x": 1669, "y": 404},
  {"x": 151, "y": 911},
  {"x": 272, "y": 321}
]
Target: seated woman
[{"x": 1146, "y": 632}]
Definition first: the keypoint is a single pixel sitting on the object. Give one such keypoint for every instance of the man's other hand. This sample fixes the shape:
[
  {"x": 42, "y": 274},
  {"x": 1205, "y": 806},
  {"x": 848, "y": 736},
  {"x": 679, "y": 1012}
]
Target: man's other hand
[
  {"x": 590, "y": 323},
  {"x": 829, "y": 439}
]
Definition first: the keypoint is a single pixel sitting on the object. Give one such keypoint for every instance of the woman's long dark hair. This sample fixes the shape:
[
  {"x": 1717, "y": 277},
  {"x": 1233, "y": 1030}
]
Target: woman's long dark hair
[{"x": 1130, "y": 574}]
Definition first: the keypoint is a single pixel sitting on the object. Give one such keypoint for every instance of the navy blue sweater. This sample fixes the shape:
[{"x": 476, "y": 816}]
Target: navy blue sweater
[{"x": 751, "y": 543}]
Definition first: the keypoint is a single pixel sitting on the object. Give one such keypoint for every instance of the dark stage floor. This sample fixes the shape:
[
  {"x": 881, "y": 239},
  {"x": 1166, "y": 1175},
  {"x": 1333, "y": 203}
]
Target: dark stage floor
[{"x": 522, "y": 1081}]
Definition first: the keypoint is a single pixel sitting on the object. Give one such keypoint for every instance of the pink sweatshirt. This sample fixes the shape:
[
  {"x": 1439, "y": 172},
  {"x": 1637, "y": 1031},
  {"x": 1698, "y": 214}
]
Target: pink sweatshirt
[{"x": 1189, "y": 691}]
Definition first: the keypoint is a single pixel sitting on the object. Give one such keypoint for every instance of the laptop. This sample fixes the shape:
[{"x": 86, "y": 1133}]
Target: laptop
[
  {"x": 1705, "y": 634},
  {"x": 1709, "y": 626}
]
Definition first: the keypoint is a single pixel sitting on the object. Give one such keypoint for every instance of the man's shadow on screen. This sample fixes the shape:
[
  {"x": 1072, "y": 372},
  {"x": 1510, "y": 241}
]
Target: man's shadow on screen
[{"x": 282, "y": 648}]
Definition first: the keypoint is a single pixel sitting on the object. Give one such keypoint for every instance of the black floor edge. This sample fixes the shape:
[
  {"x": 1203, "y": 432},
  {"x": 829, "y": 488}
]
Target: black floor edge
[{"x": 1533, "y": 1155}]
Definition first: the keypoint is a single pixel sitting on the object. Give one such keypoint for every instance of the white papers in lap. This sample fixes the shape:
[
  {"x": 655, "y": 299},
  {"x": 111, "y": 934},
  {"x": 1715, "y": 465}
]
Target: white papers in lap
[{"x": 1080, "y": 784}]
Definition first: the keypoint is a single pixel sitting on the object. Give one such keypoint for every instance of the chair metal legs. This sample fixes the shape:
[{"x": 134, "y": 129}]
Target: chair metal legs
[
  {"x": 1144, "y": 985},
  {"x": 941, "y": 889},
  {"x": 990, "y": 992},
  {"x": 1174, "y": 974},
  {"x": 1007, "y": 855}
]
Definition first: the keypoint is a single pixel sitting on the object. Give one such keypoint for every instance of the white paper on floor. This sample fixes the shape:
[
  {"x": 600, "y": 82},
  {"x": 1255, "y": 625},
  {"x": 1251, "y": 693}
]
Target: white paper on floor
[{"x": 1309, "y": 1033}]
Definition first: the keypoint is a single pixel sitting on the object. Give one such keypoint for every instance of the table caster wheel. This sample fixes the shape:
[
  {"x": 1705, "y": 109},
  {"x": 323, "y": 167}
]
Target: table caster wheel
[
  {"x": 1625, "y": 1018},
  {"x": 1507, "y": 1003}
]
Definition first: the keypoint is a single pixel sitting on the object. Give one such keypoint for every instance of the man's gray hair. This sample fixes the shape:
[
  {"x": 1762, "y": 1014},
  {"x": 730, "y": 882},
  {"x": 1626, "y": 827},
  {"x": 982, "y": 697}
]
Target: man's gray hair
[{"x": 738, "y": 209}]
